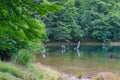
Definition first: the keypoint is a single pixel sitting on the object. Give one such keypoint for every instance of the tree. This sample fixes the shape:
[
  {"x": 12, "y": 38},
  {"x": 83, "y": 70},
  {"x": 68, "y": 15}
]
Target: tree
[
  {"x": 18, "y": 25},
  {"x": 62, "y": 26},
  {"x": 101, "y": 20},
  {"x": 84, "y": 20}
]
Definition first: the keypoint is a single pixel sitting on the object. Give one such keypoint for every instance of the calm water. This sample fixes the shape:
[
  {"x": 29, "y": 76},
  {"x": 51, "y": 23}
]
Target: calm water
[{"x": 88, "y": 60}]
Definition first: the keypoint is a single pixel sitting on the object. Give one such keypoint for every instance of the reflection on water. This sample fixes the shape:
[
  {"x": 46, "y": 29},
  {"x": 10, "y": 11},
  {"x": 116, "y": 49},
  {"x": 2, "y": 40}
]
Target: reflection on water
[
  {"x": 78, "y": 52},
  {"x": 88, "y": 59}
]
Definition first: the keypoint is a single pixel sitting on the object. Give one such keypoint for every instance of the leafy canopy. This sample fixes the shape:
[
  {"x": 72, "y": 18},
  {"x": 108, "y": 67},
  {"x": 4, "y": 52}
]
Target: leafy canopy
[
  {"x": 17, "y": 22},
  {"x": 86, "y": 20}
]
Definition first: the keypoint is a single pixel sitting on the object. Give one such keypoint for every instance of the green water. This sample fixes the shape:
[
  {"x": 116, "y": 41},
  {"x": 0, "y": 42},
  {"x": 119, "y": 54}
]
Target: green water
[{"x": 89, "y": 60}]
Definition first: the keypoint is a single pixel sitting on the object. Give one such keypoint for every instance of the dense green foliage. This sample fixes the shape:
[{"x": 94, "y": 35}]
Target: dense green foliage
[
  {"x": 20, "y": 26},
  {"x": 24, "y": 57},
  {"x": 84, "y": 20}
]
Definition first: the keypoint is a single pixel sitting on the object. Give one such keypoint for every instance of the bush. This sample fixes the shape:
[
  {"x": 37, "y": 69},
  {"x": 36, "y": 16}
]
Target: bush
[
  {"x": 79, "y": 75},
  {"x": 99, "y": 78},
  {"x": 35, "y": 47},
  {"x": 24, "y": 57}
]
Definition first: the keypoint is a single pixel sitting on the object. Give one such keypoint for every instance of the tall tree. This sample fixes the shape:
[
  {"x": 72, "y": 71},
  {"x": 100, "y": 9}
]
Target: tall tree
[
  {"x": 85, "y": 19},
  {"x": 100, "y": 20},
  {"x": 18, "y": 23},
  {"x": 62, "y": 26}
]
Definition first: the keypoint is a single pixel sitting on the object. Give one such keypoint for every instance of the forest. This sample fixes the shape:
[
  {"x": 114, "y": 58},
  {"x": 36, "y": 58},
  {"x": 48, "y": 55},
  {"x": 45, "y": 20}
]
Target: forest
[
  {"x": 85, "y": 20},
  {"x": 25, "y": 25}
]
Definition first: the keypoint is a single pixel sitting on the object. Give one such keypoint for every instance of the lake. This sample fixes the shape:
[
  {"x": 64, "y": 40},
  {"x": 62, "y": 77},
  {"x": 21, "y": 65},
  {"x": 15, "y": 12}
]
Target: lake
[{"x": 88, "y": 60}]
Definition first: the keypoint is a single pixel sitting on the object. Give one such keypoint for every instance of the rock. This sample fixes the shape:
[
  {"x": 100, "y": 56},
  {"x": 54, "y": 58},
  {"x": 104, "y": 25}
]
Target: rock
[{"x": 85, "y": 79}]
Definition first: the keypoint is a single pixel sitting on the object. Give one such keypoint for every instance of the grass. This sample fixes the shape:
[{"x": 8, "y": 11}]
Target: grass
[
  {"x": 49, "y": 74},
  {"x": 7, "y": 76},
  {"x": 10, "y": 71},
  {"x": 24, "y": 57},
  {"x": 9, "y": 68}
]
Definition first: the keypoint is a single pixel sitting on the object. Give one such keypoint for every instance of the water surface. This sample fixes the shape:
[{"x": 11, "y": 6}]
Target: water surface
[{"x": 88, "y": 60}]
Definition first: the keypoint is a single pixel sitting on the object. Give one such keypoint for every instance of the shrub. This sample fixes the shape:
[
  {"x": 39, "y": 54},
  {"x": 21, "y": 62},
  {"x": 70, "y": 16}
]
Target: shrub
[
  {"x": 35, "y": 47},
  {"x": 24, "y": 57},
  {"x": 79, "y": 75},
  {"x": 99, "y": 78}
]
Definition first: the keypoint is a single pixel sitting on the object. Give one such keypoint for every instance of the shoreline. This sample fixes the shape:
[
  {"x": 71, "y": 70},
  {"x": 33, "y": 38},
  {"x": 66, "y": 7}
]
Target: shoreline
[
  {"x": 71, "y": 77},
  {"x": 83, "y": 43},
  {"x": 65, "y": 76}
]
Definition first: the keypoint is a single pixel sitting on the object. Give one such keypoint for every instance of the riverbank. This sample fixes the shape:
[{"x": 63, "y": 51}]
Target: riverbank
[
  {"x": 83, "y": 43},
  {"x": 11, "y": 71},
  {"x": 35, "y": 71},
  {"x": 58, "y": 75},
  {"x": 55, "y": 75},
  {"x": 62, "y": 75},
  {"x": 71, "y": 77},
  {"x": 99, "y": 76}
]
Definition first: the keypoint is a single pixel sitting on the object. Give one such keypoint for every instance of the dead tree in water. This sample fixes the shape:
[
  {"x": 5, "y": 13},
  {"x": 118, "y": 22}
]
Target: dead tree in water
[
  {"x": 63, "y": 48},
  {"x": 78, "y": 45},
  {"x": 112, "y": 55},
  {"x": 44, "y": 53}
]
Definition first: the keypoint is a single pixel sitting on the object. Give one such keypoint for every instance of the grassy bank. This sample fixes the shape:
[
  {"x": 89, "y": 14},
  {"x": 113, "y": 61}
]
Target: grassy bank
[{"x": 10, "y": 71}]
